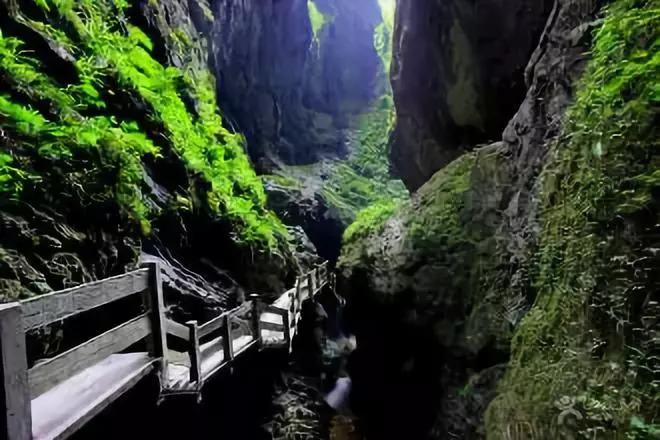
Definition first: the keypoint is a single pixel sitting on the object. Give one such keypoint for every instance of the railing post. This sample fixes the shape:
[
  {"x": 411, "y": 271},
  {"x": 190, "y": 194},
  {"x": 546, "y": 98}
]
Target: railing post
[
  {"x": 227, "y": 343},
  {"x": 15, "y": 418},
  {"x": 256, "y": 317},
  {"x": 156, "y": 306},
  {"x": 194, "y": 353},
  {"x": 296, "y": 302},
  {"x": 310, "y": 284},
  {"x": 287, "y": 330}
]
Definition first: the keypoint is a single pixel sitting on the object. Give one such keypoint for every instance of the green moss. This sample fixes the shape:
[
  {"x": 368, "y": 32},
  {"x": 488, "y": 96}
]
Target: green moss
[
  {"x": 317, "y": 18},
  {"x": 588, "y": 343},
  {"x": 431, "y": 221},
  {"x": 364, "y": 178},
  {"x": 137, "y": 36},
  {"x": 282, "y": 180},
  {"x": 11, "y": 178},
  {"x": 383, "y": 33},
  {"x": 438, "y": 206},
  {"x": 181, "y": 39},
  {"x": 51, "y": 33},
  {"x": 370, "y": 220},
  {"x": 208, "y": 14},
  {"x": 43, "y": 4},
  {"x": 105, "y": 56}
]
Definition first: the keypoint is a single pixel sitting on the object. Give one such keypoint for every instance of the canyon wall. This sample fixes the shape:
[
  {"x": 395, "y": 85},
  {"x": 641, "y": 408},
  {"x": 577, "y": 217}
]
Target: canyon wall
[
  {"x": 458, "y": 77},
  {"x": 498, "y": 303}
]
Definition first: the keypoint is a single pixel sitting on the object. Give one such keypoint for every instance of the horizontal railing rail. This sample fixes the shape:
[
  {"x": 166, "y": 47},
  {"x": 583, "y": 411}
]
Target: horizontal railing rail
[{"x": 47, "y": 309}]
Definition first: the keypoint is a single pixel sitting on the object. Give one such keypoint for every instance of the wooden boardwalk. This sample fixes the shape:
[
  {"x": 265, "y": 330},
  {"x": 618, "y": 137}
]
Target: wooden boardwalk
[{"x": 54, "y": 398}]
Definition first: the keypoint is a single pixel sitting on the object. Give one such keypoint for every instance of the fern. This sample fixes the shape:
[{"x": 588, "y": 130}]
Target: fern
[{"x": 102, "y": 53}]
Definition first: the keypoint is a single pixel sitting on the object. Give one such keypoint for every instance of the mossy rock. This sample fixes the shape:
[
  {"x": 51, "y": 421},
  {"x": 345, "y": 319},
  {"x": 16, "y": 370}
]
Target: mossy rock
[
  {"x": 430, "y": 255},
  {"x": 583, "y": 358}
]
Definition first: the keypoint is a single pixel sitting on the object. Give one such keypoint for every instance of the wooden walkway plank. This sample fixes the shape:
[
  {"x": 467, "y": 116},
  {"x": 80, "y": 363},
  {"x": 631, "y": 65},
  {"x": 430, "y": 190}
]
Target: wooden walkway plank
[
  {"x": 195, "y": 354},
  {"x": 65, "y": 408},
  {"x": 71, "y": 388},
  {"x": 178, "y": 330}
]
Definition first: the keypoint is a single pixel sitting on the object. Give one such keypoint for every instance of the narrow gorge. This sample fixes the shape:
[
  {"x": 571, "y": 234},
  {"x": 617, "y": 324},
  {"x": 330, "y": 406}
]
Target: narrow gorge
[{"x": 480, "y": 175}]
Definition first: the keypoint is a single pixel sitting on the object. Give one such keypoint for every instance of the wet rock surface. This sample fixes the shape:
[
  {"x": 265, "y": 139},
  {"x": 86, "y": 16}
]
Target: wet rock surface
[
  {"x": 457, "y": 76},
  {"x": 306, "y": 207}
]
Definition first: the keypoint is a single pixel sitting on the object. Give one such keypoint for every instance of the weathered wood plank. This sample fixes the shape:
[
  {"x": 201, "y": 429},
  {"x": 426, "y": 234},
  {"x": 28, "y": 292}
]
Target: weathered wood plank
[
  {"x": 272, "y": 326},
  {"x": 287, "y": 330},
  {"x": 227, "y": 345},
  {"x": 156, "y": 304},
  {"x": 194, "y": 353},
  {"x": 46, "y": 309},
  {"x": 274, "y": 309},
  {"x": 256, "y": 317},
  {"x": 15, "y": 416},
  {"x": 66, "y": 408},
  {"x": 310, "y": 282},
  {"x": 178, "y": 330},
  {"x": 48, "y": 374},
  {"x": 210, "y": 326}
]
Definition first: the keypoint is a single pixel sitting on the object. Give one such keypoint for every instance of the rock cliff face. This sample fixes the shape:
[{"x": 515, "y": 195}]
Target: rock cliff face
[
  {"x": 478, "y": 266},
  {"x": 457, "y": 75},
  {"x": 113, "y": 153},
  {"x": 306, "y": 82},
  {"x": 291, "y": 88}
]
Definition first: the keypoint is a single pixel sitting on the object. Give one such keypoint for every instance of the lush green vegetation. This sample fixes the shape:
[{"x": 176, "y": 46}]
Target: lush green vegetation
[
  {"x": 585, "y": 358},
  {"x": 110, "y": 63},
  {"x": 430, "y": 221},
  {"x": 438, "y": 206},
  {"x": 383, "y": 32},
  {"x": 317, "y": 18},
  {"x": 370, "y": 220},
  {"x": 364, "y": 177}
]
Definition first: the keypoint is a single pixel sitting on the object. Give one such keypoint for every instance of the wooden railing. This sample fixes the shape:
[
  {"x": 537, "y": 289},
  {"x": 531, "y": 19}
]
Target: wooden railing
[
  {"x": 30, "y": 394},
  {"x": 289, "y": 311},
  {"x": 307, "y": 286},
  {"x": 20, "y": 385}
]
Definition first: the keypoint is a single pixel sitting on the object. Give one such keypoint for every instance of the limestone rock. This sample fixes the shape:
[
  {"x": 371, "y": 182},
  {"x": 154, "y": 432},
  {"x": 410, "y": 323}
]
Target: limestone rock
[
  {"x": 457, "y": 76},
  {"x": 306, "y": 207},
  {"x": 292, "y": 93}
]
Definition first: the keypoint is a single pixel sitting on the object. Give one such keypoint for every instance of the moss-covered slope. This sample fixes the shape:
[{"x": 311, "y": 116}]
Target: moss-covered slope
[
  {"x": 97, "y": 122},
  {"x": 585, "y": 358},
  {"x": 108, "y": 57}
]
